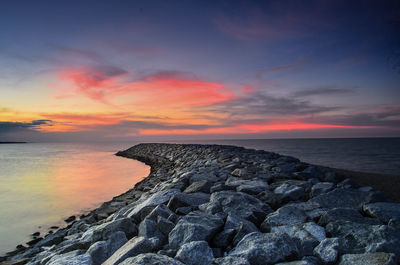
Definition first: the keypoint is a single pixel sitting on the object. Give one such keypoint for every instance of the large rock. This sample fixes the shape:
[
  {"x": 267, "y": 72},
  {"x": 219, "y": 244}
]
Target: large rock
[
  {"x": 321, "y": 188},
  {"x": 385, "y": 211},
  {"x": 184, "y": 199},
  {"x": 133, "y": 247},
  {"x": 328, "y": 250},
  {"x": 195, "y": 226},
  {"x": 148, "y": 228},
  {"x": 195, "y": 253},
  {"x": 148, "y": 203},
  {"x": 269, "y": 248},
  {"x": 237, "y": 203},
  {"x": 378, "y": 258},
  {"x": 287, "y": 215},
  {"x": 358, "y": 238},
  {"x": 345, "y": 214},
  {"x": 230, "y": 260},
  {"x": 103, "y": 231},
  {"x": 309, "y": 235},
  {"x": 151, "y": 259},
  {"x": 343, "y": 198},
  {"x": 289, "y": 192},
  {"x": 199, "y": 186},
  {"x": 71, "y": 258}
]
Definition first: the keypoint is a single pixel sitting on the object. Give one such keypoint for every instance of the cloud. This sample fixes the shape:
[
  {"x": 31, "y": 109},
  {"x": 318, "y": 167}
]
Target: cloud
[
  {"x": 7, "y": 127},
  {"x": 323, "y": 90},
  {"x": 162, "y": 89}
]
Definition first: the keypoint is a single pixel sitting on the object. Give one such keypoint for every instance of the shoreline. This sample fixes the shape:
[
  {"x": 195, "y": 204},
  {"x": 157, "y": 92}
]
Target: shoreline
[{"x": 162, "y": 166}]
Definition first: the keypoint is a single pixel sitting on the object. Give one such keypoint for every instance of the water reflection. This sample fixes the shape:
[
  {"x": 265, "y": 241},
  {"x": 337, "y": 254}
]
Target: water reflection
[{"x": 41, "y": 184}]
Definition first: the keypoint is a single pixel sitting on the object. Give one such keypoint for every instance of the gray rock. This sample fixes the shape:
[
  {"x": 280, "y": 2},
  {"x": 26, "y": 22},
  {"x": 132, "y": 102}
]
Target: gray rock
[
  {"x": 220, "y": 187},
  {"x": 342, "y": 198},
  {"x": 151, "y": 258},
  {"x": 385, "y": 211},
  {"x": 160, "y": 210},
  {"x": 269, "y": 248},
  {"x": 241, "y": 227},
  {"x": 115, "y": 241},
  {"x": 237, "y": 203},
  {"x": 103, "y": 231},
  {"x": 52, "y": 239},
  {"x": 230, "y": 260},
  {"x": 98, "y": 252},
  {"x": 224, "y": 238},
  {"x": 239, "y": 172},
  {"x": 298, "y": 262},
  {"x": 289, "y": 192},
  {"x": 203, "y": 176},
  {"x": 148, "y": 228},
  {"x": 358, "y": 238},
  {"x": 149, "y": 202},
  {"x": 164, "y": 225},
  {"x": 195, "y": 226},
  {"x": 252, "y": 187},
  {"x": 287, "y": 215},
  {"x": 133, "y": 247},
  {"x": 378, "y": 258},
  {"x": 321, "y": 188},
  {"x": 270, "y": 198},
  {"x": 71, "y": 258},
  {"x": 309, "y": 235},
  {"x": 199, "y": 186},
  {"x": 327, "y": 250},
  {"x": 195, "y": 253},
  {"x": 345, "y": 214},
  {"x": 184, "y": 199}
]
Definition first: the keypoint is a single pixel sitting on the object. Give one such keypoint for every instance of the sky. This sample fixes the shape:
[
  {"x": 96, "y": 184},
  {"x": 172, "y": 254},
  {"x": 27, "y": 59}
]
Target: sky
[{"x": 162, "y": 70}]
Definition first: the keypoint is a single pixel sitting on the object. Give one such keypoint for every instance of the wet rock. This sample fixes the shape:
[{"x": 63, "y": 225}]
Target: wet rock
[
  {"x": 288, "y": 215},
  {"x": 195, "y": 226},
  {"x": 70, "y": 219},
  {"x": 52, "y": 239},
  {"x": 268, "y": 248},
  {"x": 195, "y": 253},
  {"x": 151, "y": 258},
  {"x": 133, "y": 247},
  {"x": 378, "y": 258},
  {"x": 327, "y": 250}
]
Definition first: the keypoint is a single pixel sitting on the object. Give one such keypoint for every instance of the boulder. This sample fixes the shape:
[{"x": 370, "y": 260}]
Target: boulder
[
  {"x": 184, "y": 199},
  {"x": 321, "y": 188},
  {"x": 345, "y": 214},
  {"x": 151, "y": 258},
  {"x": 230, "y": 260},
  {"x": 289, "y": 192},
  {"x": 199, "y": 186},
  {"x": 342, "y": 198},
  {"x": 196, "y": 226},
  {"x": 71, "y": 258},
  {"x": 268, "y": 248},
  {"x": 384, "y": 211},
  {"x": 328, "y": 250},
  {"x": 378, "y": 258},
  {"x": 195, "y": 253},
  {"x": 103, "y": 231},
  {"x": 148, "y": 228},
  {"x": 237, "y": 203},
  {"x": 287, "y": 215},
  {"x": 133, "y": 247}
]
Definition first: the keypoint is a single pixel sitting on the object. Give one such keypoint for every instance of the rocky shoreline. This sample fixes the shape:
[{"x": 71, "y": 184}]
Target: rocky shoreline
[{"x": 226, "y": 205}]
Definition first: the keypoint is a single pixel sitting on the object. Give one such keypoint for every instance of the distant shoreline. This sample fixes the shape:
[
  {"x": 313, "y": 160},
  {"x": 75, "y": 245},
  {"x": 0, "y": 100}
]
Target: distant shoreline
[{"x": 13, "y": 142}]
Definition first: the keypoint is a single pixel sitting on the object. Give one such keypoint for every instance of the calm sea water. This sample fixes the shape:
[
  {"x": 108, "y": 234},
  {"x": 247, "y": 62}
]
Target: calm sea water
[
  {"x": 375, "y": 155},
  {"x": 42, "y": 184}
]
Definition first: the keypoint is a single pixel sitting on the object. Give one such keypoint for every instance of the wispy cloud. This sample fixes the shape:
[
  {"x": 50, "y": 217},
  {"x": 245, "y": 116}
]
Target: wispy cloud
[{"x": 323, "y": 90}]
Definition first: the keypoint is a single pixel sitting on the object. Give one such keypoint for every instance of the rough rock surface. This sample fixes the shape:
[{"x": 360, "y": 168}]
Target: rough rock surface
[{"x": 212, "y": 204}]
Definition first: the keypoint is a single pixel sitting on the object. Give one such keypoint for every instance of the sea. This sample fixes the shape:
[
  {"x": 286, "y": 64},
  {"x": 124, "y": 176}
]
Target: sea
[{"x": 41, "y": 184}]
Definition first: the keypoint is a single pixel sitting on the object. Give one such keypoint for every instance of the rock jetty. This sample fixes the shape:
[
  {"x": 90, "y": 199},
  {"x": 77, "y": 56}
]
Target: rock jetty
[{"x": 227, "y": 205}]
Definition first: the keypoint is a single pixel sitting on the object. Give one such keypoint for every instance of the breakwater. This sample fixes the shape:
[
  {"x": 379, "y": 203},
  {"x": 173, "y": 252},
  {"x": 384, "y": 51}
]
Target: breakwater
[{"x": 212, "y": 204}]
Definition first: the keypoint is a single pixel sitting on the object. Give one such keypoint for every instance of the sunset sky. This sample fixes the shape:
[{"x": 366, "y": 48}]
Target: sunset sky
[{"x": 154, "y": 70}]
